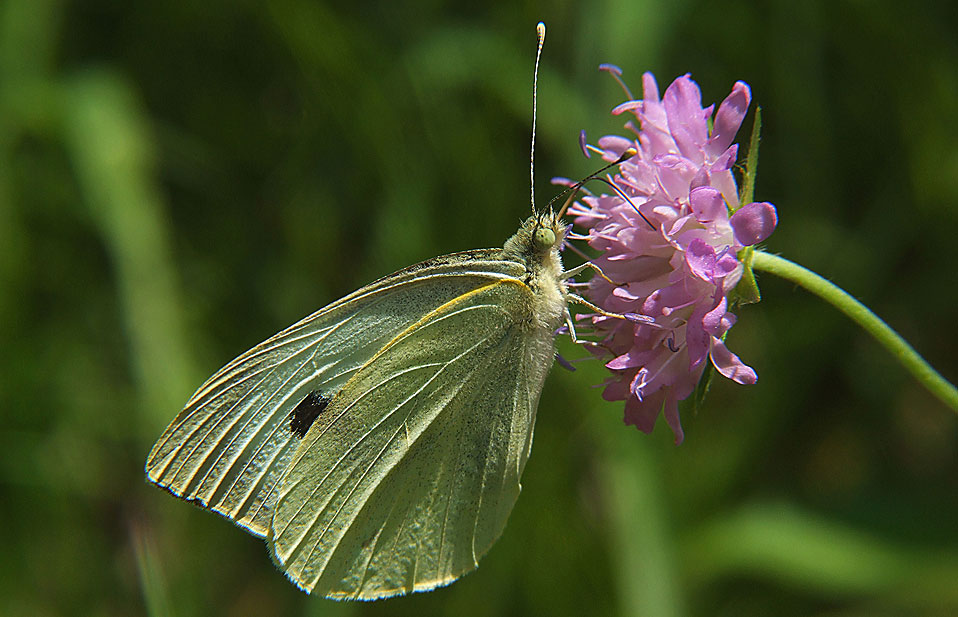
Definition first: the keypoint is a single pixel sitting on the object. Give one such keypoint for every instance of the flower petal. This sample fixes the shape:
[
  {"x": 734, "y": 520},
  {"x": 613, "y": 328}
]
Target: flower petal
[
  {"x": 696, "y": 338},
  {"x": 707, "y": 204},
  {"x": 615, "y": 389},
  {"x": 754, "y": 222},
  {"x": 725, "y": 265},
  {"x": 700, "y": 257},
  {"x": 623, "y": 362},
  {"x": 614, "y": 145},
  {"x": 671, "y": 411},
  {"x": 687, "y": 124},
  {"x": 650, "y": 89},
  {"x": 729, "y": 365},
  {"x": 729, "y": 118},
  {"x": 713, "y": 320},
  {"x": 642, "y": 414},
  {"x": 726, "y": 160},
  {"x": 675, "y": 174},
  {"x": 624, "y": 293}
]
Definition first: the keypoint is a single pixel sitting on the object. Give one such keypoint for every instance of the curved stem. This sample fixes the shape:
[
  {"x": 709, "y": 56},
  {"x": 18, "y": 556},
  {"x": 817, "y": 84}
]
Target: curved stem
[{"x": 861, "y": 315}]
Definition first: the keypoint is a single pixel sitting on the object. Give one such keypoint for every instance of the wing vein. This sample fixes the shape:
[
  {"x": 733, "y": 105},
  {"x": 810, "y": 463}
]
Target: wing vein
[
  {"x": 250, "y": 415},
  {"x": 385, "y": 417}
]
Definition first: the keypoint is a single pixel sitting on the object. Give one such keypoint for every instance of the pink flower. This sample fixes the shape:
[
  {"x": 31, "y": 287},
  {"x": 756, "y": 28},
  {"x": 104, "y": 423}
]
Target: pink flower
[{"x": 671, "y": 249}]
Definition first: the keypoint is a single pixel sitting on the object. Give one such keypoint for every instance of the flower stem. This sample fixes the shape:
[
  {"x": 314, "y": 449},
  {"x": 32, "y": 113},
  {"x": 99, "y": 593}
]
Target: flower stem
[{"x": 860, "y": 314}]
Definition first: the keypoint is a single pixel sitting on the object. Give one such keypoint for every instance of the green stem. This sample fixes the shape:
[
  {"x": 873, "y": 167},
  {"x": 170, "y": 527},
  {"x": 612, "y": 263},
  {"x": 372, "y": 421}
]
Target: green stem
[{"x": 861, "y": 315}]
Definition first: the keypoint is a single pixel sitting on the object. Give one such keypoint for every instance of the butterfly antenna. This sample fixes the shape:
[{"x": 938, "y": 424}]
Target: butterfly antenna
[
  {"x": 574, "y": 188},
  {"x": 541, "y": 36}
]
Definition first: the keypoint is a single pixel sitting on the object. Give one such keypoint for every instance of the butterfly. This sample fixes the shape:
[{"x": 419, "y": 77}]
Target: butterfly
[{"x": 378, "y": 444}]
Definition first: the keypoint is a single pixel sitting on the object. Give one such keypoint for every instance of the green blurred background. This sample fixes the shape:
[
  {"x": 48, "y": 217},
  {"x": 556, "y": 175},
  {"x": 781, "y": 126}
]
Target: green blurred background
[{"x": 179, "y": 180}]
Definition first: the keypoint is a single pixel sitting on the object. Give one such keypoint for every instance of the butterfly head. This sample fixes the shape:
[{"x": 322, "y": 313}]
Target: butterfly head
[
  {"x": 548, "y": 231},
  {"x": 539, "y": 237}
]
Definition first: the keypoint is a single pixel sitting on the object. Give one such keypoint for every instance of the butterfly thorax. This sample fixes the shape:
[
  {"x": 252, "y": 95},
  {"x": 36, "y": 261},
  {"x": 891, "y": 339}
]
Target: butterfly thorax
[{"x": 536, "y": 245}]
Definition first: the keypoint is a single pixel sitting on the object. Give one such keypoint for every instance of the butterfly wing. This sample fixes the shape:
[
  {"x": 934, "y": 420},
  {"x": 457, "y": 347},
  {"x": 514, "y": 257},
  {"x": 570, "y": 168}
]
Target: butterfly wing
[
  {"x": 408, "y": 476},
  {"x": 234, "y": 439}
]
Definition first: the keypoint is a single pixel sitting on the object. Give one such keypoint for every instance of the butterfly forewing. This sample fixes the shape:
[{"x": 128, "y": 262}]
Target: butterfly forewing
[
  {"x": 409, "y": 475},
  {"x": 234, "y": 439}
]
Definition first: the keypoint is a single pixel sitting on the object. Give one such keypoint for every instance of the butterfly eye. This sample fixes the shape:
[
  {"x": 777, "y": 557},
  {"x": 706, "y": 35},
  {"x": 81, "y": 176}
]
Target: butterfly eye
[{"x": 543, "y": 238}]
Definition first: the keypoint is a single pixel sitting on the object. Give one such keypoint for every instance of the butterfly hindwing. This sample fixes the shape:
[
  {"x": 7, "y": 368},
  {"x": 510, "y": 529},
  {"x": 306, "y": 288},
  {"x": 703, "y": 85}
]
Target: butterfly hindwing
[{"x": 408, "y": 476}]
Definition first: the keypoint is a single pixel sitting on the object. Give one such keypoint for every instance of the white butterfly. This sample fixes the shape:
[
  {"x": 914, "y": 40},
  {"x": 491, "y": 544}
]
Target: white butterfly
[{"x": 378, "y": 444}]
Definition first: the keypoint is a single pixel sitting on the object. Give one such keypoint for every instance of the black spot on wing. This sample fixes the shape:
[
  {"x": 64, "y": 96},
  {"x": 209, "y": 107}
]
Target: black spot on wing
[{"x": 307, "y": 411}]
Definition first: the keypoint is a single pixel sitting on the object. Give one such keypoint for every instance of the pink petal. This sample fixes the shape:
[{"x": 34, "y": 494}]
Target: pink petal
[
  {"x": 696, "y": 338},
  {"x": 726, "y": 160},
  {"x": 701, "y": 259},
  {"x": 617, "y": 388},
  {"x": 662, "y": 301},
  {"x": 616, "y": 144},
  {"x": 729, "y": 117},
  {"x": 754, "y": 222},
  {"x": 724, "y": 181},
  {"x": 707, "y": 204},
  {"x": 712, "y": 321},
  {"x": 671, "y": 412},
  {"x": 623, "y": 362},
  {"x": 623, "y": 293},
  {"x": 676, "y": 225},
  {"x": 683, "y": 105},
  {"x": 674, "y": 174},
  {"x": 650, "y": 90},
  {"x": 701, "y": 178},
  {"x": 726, "y": 265},
  {"x": 707, "y": 112},
  {"x": 642, "y": 414},
  {"x": 729, "y": 365}
]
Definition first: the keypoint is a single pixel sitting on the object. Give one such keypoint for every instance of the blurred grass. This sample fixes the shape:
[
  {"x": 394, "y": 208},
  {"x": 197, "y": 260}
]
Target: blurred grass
[
  {"x": 178, "y": 181},
  {"x": 112, "y": 154}
]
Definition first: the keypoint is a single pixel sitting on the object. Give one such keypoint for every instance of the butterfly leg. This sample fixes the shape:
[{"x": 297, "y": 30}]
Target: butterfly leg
[
  {"x": 583, "y": 267},
  {"x": 571, "y": 326}
]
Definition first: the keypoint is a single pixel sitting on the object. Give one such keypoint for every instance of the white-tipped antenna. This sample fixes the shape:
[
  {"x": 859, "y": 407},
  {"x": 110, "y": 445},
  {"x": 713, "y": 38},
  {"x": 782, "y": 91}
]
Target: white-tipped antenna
[{"x": 541, "y": 35}]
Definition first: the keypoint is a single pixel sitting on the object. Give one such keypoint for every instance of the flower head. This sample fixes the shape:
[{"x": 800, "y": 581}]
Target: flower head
[{"x": 669, "y": 252}]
